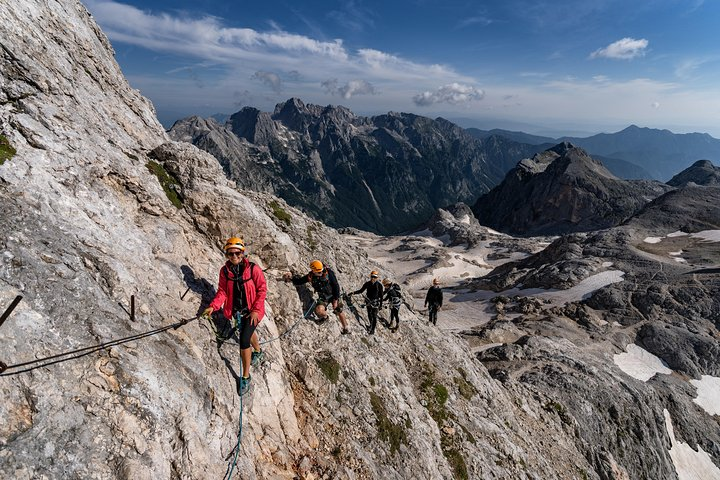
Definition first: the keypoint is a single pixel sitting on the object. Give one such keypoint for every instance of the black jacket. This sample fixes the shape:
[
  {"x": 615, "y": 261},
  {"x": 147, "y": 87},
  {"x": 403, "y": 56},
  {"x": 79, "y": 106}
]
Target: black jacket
[
  {"x": 374, "y": 290},
  {"x": 394, "y": 295},
  {"x": 434, "y": 296},
  {"x": 326, "y": 285}
]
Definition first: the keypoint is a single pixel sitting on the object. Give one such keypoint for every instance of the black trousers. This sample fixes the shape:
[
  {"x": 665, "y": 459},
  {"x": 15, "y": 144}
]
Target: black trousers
[
  {"x": 373, "y": 317},
  {"x": 433, "y": 313},
  {"x": 394, "y": 315}
]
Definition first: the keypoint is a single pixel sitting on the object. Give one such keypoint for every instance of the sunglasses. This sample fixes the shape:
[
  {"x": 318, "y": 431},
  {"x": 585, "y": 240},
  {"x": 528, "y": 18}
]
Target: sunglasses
[{"x": 234, "y": 254}]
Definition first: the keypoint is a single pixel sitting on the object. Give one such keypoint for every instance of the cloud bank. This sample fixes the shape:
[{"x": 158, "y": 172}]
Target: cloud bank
[{"x": 452, "y": 94}]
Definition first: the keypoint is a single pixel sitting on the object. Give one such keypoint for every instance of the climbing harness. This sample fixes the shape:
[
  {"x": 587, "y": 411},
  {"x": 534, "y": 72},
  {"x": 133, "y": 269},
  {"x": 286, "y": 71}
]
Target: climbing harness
[{"x": 81, "y": 352}]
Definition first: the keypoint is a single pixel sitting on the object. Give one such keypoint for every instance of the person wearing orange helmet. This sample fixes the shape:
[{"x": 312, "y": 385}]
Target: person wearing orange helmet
[
  {"x": 241, "y": 296},
  {"x": 374, "y": 299},
  {"x": 325, "y": 284}
]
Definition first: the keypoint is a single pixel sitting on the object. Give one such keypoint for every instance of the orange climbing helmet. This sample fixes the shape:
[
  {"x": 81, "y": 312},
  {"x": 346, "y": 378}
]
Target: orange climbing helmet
[
  {"x": 316, "y": 266},
  {"x": 374, "y": 274},
  {"x": 234, "y": 242}
]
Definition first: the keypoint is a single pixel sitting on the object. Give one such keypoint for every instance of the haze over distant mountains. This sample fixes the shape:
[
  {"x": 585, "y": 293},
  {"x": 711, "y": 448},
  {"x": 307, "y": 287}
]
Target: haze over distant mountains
[{"x": 660, "y": 152}]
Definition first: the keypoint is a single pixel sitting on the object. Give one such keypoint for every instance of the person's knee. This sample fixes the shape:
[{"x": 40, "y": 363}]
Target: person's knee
[{"x": 320, "y": 310}]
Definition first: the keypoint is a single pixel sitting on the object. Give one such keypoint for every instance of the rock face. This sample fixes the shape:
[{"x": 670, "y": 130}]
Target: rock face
[
  {"x": 562, "y": 190},
  {"x": 702, "y": 172},
  {"x": 385, "y": 174},
  {"x": 97, "y": 205}
]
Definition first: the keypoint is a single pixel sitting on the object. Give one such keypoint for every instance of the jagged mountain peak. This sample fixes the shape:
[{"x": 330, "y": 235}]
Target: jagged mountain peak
[{"x": 562, "y": 190}]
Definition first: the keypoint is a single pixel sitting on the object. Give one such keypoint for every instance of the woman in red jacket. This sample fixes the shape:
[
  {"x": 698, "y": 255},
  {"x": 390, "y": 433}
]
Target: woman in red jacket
[{"x": 241, "y": 295}]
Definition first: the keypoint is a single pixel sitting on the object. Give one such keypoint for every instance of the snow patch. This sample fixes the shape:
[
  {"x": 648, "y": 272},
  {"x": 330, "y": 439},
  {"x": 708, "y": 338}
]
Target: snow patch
[
  {"x": 465, "y": 219},
  {"x": 689, "y": 464},
  {"x": 652, "y": 239},
  {"x": 607, "y": 264},
  {"x": 708, "y": 235},
  {"x": 675, "y": 254},
  {"x": 639, "y": 363},
  {"x": 678, "y": 233},
  {"x": 680, "y": 260},
  {"x": 708, "y": 393}
]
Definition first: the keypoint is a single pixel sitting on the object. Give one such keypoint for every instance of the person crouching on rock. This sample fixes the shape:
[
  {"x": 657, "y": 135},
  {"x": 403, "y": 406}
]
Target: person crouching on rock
[
  {"x": 325, "y": 284},
  {"x": 374, "y": 299},
  {"x": 434, "y": 300},
  {"x": 394, "y": 296},
  {"x": 241, "y": 295}
]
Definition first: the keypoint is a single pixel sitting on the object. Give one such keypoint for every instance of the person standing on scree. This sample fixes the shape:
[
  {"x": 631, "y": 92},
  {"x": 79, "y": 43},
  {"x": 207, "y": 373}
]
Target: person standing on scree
[
  {"x": 434, "y": 300},
  {"x": 241, "y": 295},
  {"x": 325, "y": 284}
]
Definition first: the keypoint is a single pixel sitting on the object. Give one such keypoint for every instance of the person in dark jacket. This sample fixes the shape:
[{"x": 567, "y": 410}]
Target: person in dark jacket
[
  {"x": 325, "y": 284},
  {"x": 394, "y": 296},
  {"x": 374, "y": 299},
  {"x": 241, "y": 296},
  {"x": 434, "y": 300}
]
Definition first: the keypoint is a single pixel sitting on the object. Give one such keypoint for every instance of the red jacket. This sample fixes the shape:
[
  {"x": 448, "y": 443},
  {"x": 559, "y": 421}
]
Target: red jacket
[{"x": 255, "y": 290}]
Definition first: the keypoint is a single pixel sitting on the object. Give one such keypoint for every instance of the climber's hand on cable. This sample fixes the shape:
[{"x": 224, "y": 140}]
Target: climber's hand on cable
[
  {"x": 207, "y": 312},
  {"x": 287, "y": 276},
  {"x": 254, "y": 318}
]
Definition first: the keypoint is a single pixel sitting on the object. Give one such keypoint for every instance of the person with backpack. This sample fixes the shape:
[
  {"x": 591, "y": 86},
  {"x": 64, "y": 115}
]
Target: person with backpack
[
  {"x": 434, "y": 300},
  {"x": 374, "y": 299},
  {"x": 394, "y": 296},
  {"x": 241, "y": 296},
  {"x": 325, "y": 284}
]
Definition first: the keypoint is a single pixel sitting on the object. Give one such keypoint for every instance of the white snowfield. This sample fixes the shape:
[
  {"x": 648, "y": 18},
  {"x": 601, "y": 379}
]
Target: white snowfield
[
  {"x": 708, "y": 235},
  {"x": 689, "y": 464},
  {"x": 652, "y": 239},
  {"x": 708, "y": 393},
  {"x": 639, "y": 363}
]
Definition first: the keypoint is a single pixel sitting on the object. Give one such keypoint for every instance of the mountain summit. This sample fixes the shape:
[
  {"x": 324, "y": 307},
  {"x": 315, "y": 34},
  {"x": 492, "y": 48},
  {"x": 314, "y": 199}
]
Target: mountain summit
[
  {"x": 386, "y": 173},
  {"x": 562, "y": 190}
]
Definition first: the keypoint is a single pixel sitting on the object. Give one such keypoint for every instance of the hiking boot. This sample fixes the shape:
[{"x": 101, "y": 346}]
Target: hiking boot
[
  {"x": 257, "y": 358},
  {"x": 244, "y": 385},
  {"x": 345, "y": 331}
]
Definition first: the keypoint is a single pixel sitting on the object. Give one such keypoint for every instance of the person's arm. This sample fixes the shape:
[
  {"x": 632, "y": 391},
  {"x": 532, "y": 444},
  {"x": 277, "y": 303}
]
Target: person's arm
[
  {"x": 258, "y": 278},
  {"x": 427, "y": 296},
  {"x": 362, "y": 289},
  {"x": 299, "y": 279},
  {"x": 440, "y": 297}
]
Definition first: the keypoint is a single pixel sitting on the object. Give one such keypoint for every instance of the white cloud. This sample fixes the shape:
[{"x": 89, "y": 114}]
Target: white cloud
[
  {"x": 242, "y": 52},
  {"x": 351, "y": 88},
  {"x": 453, "y": 93},
  {"x": 624, "y": 49},
  {"x": 270, "y": 79}
]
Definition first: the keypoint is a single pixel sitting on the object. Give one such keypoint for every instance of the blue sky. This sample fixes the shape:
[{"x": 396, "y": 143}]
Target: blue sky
[{"x": 561, "y": 67}]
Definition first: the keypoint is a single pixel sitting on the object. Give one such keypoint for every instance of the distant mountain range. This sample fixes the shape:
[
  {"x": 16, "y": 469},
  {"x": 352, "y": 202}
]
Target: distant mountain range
[
  {"x": 387, "y": 173},
  {"x": 659, "y": 152}
]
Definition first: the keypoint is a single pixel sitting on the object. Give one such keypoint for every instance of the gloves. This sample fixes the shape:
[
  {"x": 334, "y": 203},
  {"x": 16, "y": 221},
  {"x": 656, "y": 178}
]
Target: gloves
[{"x": 207, "y": 312}]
